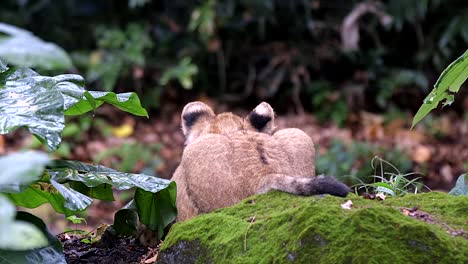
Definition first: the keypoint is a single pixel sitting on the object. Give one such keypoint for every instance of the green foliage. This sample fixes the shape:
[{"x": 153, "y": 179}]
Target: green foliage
[
  {"x": 394, "y": 80},
  {"x": 260, "y": 50},
  {"x": 347, "y": 161},
  {"x": 21, "y": 47},
  {"x": 14, "y": 234},
  {"x": 17, "y": 235},
  {"x": 27, "y": 167},
  {"x": 157, "y": 210},
  {"x": 128, "y": 102},
  {"x": 203, "y": 20},
  {"x": 76, "y": 220},
  {"x": 154, "y": 197},
  {"x": 118, "y": 52},
  {"x": 39, "y": 103},
  {"x": 128, "y": 155},
  {"x": 182, "y": 72},
  {"x": 52, "y": 253},
  {"x": 461, "y": 187},
  {"x": 328, "y": 104},
  {"x": 389, "y": 183},
  {"x": 446, "y": 86}
]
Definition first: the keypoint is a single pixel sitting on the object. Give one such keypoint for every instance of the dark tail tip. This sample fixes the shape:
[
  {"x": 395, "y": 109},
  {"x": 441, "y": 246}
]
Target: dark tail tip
[{"x": 329, "y": 185}]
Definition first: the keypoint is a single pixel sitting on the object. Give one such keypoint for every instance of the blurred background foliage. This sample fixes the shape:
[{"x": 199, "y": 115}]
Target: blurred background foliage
[{"x": 330, "y": 57}]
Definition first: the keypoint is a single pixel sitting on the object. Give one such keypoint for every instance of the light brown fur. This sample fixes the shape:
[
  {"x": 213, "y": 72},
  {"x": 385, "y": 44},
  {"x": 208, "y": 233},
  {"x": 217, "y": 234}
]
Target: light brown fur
[{"x": 227, "y": 159}]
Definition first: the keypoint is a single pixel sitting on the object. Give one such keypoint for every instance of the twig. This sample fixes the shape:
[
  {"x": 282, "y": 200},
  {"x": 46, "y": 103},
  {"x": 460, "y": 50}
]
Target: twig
[{"x": 252, "y": 219}]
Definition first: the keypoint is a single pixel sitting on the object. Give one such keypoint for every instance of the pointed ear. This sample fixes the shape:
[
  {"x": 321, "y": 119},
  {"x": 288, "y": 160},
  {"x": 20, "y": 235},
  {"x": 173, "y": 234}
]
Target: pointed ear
[
  {"x": 261, "y": 119},
  {"x": 195, "y": 114}
]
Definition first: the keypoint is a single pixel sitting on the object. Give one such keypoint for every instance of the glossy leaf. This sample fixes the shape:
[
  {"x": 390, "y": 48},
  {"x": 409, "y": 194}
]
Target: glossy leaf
[
  {"x": 74, "y": 200},
  {"x": 52, "y": 253},
  {"x": 41, "y": 255},
  {"x": 156, "y": 210},
  {"x": 19, "y": 170},
  {"x": 461, "y": 186},
  {"x": 17, "y": 235},
  {"x": 22, "y": 48},
  {"x": 34, "y": 196},
  {"x": 35, "y": 102},
  {"x": 448, "y": 83},
  {"x": 154, "y": 198},
  {"x": 94, "y": 175},
  {"x": 101, "y": 192},
  {"x": 7, "y": 210},
  {"x": 128, "y": 102},
  {"x": 39, "y": 103}
]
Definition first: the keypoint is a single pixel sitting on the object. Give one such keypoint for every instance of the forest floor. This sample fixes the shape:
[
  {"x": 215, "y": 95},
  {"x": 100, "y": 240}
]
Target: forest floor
[{"x": 439, "y": 150}]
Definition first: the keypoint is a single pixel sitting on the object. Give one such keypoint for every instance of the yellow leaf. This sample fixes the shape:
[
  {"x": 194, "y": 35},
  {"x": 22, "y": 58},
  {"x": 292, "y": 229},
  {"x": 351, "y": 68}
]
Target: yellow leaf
[{"x": 123, "y": 131}]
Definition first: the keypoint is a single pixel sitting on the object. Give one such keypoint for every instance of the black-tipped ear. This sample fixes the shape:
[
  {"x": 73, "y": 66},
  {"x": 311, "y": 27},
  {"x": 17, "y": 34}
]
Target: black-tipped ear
[
  {"x": 194, "y": 113},
  {"x": 262, "y": 118}
]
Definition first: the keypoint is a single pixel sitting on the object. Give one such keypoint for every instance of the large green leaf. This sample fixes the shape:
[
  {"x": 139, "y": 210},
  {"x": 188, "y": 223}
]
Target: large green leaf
[
  {"x": 101, "y": 192},
  {"x": 128, "y": 102},
  {"x": 461, "y": 186},
  {"x": 52, "y": 253},
  {"x": 21, "y": 47},
  {"x": 7, "y": 210},
  {"x": 94, "y": 175},
  {"x": 78, "y": 101},
  {"x": 17, "y": 235},
  {"x": 39, "y": 103},
  {"x": 156, "y": 210},
  {"x": 19, "y": 170},
  {"x": 448, "y": 83},
  {"x": 35, "y": 102},
  {"x": 154, "y": 198},
  {"x": 32, "y": 102},
  {"x": 34, "y": 196},
  {"x": 74, "y": 200}
]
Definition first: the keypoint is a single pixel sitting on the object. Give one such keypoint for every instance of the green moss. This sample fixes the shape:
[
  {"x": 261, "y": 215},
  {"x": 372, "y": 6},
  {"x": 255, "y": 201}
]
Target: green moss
[{"x": 316, "y": 229}]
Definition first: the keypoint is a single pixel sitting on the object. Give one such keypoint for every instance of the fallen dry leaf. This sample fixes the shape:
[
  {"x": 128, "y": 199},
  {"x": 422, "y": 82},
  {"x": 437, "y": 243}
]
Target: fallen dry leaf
[
  {"x": 405, "y": 211},
  {"x": 374, "y": 132},
  {"x": 380, "y": 196},
  {"x": 370, "y": 196},
  {"x": 347, "y": 205},
  {"x": 152, "y": 259},
  {"x": 2, "y": 145}
]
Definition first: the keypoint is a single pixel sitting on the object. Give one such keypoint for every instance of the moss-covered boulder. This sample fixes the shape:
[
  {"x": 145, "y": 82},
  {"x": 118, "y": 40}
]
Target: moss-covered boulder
[{"x": 283, "y": 228}]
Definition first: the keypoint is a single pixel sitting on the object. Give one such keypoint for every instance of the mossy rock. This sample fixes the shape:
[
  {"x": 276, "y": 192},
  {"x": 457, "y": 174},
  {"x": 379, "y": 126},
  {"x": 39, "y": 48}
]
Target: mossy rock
[{"x": 282, "y": 228}]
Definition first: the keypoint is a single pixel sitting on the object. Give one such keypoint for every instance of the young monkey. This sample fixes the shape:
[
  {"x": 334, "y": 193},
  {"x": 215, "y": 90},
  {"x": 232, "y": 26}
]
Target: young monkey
[{"x": 228, "y": 158}]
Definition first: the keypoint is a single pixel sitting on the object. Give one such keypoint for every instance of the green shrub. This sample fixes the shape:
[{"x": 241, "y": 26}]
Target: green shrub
[
  {"x": 348, "y": 162},
  {"x": 29, "y": 179}
]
